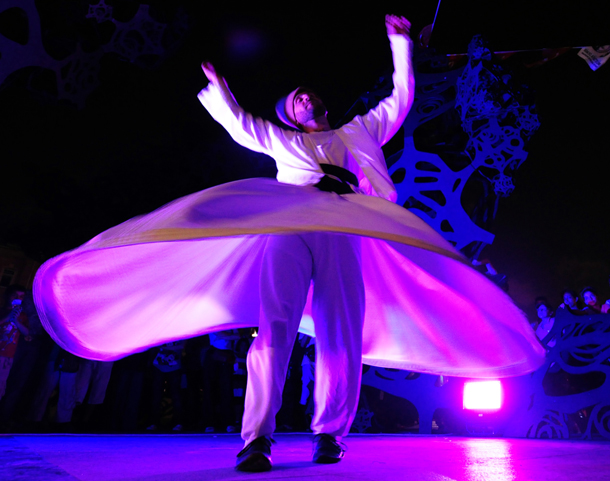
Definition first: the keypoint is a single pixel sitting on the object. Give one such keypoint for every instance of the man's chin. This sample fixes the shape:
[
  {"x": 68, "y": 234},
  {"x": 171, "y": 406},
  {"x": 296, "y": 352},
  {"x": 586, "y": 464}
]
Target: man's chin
[{"x": 319, "y": 110}]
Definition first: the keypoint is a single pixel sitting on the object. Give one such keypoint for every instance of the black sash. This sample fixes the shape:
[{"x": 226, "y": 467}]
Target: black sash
[{"x": 341, "y": 181}]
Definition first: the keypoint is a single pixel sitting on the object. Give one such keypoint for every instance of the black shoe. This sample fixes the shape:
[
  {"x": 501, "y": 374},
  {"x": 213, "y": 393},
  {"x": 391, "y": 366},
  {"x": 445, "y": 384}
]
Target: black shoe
[
  {"x": 327, "y": 450},
  {"x": 255, "y": 457}
]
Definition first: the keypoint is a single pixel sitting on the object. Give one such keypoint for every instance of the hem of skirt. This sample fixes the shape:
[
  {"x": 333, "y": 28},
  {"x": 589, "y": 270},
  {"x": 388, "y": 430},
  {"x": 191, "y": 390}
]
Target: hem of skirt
[
  {"x": 188, "y": 234},
  {"x": 489, "y": 372}
]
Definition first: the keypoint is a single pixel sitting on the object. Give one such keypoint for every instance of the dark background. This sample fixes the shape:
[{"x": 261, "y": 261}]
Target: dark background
[{"x": 142, "y": 138}]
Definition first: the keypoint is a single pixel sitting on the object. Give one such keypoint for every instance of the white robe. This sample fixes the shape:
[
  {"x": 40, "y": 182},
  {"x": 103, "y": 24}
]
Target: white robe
[
  {"x": 298, "y": 155},
  {"x": 193, "y": 266}
]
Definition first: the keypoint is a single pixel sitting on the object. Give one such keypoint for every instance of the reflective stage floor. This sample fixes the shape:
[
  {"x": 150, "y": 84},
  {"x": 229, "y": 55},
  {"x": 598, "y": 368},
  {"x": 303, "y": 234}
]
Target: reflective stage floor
[{"x": 369, "y": 457}]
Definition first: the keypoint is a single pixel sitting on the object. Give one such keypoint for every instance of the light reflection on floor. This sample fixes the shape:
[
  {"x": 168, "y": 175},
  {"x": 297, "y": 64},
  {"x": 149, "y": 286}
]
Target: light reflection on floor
[
  {"x": 488, "y": 459},
  {"x": 369, "y": 457}
]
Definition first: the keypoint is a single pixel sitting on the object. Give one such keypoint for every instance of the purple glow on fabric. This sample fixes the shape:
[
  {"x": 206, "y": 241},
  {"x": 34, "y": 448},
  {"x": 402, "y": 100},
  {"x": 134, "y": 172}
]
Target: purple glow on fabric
[
  {"x": 193, "y": 267},
  {"x": 483, "y": 395}
]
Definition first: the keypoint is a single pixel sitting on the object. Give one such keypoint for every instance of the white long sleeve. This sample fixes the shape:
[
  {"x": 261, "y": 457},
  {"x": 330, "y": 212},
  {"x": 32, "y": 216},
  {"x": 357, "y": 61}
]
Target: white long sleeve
[{"x": 298, "y": 155}]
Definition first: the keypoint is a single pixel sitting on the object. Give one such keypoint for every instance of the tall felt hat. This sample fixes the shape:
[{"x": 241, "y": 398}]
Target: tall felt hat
[{"x": 284, "y": 108}]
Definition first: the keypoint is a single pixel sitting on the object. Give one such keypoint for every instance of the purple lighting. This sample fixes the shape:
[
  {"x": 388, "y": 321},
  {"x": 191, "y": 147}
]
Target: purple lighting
[{"x": 483, "y": 395}]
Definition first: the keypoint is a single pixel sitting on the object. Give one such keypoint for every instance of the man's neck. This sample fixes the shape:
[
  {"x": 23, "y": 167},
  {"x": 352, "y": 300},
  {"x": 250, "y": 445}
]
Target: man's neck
[{"x": 319, "y": 124}]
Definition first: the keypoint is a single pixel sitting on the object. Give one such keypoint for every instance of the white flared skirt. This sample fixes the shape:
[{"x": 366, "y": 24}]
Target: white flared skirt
[{"x": 193, "y": 267}]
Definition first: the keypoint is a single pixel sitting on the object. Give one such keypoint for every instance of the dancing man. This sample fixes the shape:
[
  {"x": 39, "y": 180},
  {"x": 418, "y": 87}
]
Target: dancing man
[
  {"x": 250, "y": 251},
  {"x": 346, "y": 161}
]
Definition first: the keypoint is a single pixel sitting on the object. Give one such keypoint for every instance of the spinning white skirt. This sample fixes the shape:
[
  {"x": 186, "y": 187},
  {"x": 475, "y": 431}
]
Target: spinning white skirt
[{"x": 193, "y": 267}]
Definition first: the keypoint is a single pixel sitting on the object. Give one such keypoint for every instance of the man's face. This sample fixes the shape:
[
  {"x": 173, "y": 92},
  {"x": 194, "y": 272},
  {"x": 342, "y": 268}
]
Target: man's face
[
  {"x": 569, "y": 300},
  {"x": 589, "y": 298},
  {"x": 308, "y": 106}
]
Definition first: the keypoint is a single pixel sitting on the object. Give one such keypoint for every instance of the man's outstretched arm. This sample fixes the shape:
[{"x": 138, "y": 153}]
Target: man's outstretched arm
[
  {"x": 397, "y": 25},
  {"x": 210, "y": 72},
  {"x": 384, "y": 120},
  {"x": 246, "y": 130},
  {"x": 252, "y": 132}
]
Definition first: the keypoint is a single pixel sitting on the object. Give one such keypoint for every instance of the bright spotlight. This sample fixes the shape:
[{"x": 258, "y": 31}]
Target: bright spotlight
[{"x": 483, "y": 395}]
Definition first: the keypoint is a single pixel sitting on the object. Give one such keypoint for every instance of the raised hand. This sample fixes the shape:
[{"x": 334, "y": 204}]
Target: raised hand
[
  {"x": 210, "y": 72},
  {"x": 397, "y": 25}
]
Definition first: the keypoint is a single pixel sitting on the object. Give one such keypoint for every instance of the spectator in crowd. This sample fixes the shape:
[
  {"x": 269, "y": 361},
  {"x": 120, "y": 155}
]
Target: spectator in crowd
[
  {"x": 308, "y": 376},
  {"x": 192, "y": 389},
  {"x": 92, "y": 378},
  {"x": 11, "y": 326},
  {"x": 167, "y": 367},
  {"x": 60, "y": 371},
  {"x": 289, "y": 418},
  {"x": 536, "y": 322},
  {"x": 589, "y": 297},
  {"x": 129, "y": 373},
  {"x": 606, "y": 305},
  {"x": 240, "y": 371},
  {"x": 32, "y": 351},
  {"x": 570, "y": 301},
  {"x": 545, "y": 314},
  {"x": 217, "y": 378}
]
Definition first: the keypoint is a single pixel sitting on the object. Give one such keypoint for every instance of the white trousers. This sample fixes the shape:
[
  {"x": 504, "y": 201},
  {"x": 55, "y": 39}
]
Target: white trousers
[{"x": 290, "y": 263}]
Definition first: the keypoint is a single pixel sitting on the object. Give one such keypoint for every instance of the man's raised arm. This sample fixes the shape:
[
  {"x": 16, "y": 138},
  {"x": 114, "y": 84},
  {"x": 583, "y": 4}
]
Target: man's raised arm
[
  {"x": 251, "y": 132},
  {"x": 384, "y": 120},
  {"x": 210, "y": 72}
]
